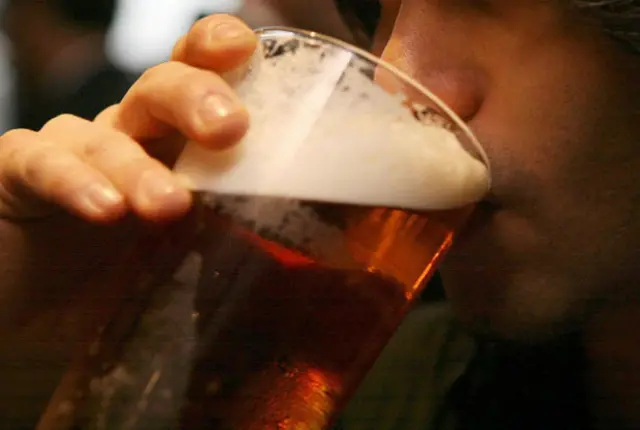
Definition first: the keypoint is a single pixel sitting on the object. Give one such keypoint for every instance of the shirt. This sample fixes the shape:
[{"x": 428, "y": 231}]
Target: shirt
[{"x": 433, "y": 375}]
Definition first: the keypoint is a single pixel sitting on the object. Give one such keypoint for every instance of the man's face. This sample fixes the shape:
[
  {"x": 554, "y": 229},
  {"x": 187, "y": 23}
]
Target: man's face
[{"x": 556, "y": 104}]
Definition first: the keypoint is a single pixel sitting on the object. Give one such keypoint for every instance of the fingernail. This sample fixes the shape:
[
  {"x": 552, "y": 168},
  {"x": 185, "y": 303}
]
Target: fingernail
[
  {"x": 229, "y": 30},
  {"x": 157, "y": 189},
  {"x": 216, "y": 106},
  {"x": 101, "y": 198}
]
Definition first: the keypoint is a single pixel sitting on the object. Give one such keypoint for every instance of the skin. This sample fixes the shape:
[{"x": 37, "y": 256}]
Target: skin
[
  {"x": 554, "y": 101},
  {"x": 554, "y": 247}
]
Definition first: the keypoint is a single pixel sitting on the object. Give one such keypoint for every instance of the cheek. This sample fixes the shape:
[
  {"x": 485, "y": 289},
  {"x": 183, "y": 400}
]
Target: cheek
[
  {"x": 566, "y": 231},
  {"x": 507, "y": 279},
  {"x": 540, "y": 123},
  {"x": 557, "y": 162}
]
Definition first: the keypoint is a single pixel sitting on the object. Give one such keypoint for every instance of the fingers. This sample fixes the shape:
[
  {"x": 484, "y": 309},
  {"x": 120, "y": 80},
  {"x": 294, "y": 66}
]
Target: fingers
[
  {"x": 196, "y": 102},
  {"x": 36, "y": 169},
  {"x": 218, "y": 42},
  {"x": 93, "y": 171},
  {"x": 98, "y": 170},
  {"x": 146, "y": 185},
  {"x": 108, "y": 115},
  {"x": 187, "y": 94}
]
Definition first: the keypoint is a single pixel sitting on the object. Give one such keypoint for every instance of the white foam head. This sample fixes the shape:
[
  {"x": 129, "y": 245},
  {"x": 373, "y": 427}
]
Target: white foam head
[{"x": 322, "y": 130}]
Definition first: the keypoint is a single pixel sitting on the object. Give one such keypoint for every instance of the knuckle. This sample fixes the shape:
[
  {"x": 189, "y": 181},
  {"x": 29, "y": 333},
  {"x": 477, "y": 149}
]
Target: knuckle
[
  {"x": 137, "y": 165},
  {"x": 155, "y": 81},
  {"x": 183, "y": 84},
  {"x": 144, "y": 78},
  {"x": 94, "y": 147},
  {"x": 11, "y": 156},
  {"x": 107, "y": 113},
  {"x": 112, "y": 145},
  {"x": 125, "y": 172},
  {"x": 51, "y": 172},
  {"x": 35, "y": 165},
  {"x": 108, "y": 149},
  {"x": 64, "y": 122},
  {"x": 158, "y": 72},
  {"x": 14, "y": 145},
  {"x": 15, "y": 137},
  {"x": 194, "y": 90}
]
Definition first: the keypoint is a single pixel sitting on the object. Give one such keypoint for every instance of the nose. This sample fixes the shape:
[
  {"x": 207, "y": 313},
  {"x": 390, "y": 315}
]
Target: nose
[{"x": 439, "y": 60}]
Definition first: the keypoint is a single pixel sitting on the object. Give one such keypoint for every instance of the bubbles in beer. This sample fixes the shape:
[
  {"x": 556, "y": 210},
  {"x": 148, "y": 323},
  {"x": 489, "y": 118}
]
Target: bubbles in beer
[
  {"x": 294, "y": 223},
  {"x": 322, "y": 130}
]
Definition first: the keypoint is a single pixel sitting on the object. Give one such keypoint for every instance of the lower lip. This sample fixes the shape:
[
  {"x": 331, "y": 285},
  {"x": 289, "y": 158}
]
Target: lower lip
[{"x": 478, "y": 219}]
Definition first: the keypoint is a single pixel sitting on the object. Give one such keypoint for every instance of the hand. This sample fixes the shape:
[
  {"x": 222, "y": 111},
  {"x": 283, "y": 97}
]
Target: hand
[
  {"x": 120, "y": 162},
  {"x": 99, "y": 172}
]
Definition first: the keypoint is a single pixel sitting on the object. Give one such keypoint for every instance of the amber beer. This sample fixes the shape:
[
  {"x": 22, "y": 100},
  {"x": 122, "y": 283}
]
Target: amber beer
[
  {"x": 283, "y": 330},
  {"x": 302, "y": 329}
]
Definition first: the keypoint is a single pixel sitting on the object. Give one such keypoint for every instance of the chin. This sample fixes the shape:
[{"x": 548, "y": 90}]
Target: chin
[
  {"x": 494, "y": 306},
  {"x": 498, "y": 291}
]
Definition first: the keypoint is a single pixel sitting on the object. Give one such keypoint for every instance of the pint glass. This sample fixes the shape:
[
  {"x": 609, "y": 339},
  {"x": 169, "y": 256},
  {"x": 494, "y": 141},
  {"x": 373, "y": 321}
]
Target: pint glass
[{"x": 308, "y": 242}]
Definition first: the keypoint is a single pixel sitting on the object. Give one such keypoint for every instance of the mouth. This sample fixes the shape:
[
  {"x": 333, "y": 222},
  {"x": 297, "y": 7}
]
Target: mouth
[
  {"x": 490, "y": 200},
  {"x": 479, "y": 218}
]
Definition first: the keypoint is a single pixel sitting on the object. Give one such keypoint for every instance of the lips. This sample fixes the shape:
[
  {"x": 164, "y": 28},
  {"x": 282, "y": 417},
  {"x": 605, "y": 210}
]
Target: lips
[{"x": 480, "y": 217}]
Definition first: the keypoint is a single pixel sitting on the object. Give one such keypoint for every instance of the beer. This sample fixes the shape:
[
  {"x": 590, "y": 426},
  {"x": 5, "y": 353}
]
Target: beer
[
  {"x": 302, "y": 334},
  {"x": 253, "y": 329}
]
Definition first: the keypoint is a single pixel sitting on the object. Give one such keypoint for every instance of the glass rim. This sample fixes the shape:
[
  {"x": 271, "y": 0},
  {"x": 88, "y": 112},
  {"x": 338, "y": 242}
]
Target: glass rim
[{"x": 404, "y": 77}]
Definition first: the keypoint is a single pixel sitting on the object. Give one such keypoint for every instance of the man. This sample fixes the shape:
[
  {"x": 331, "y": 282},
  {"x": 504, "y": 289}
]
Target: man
[
  {"x": 551, "y": 349},
  {"x": 544, "y": 278},
  {"x": 58, "y": 50}
]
